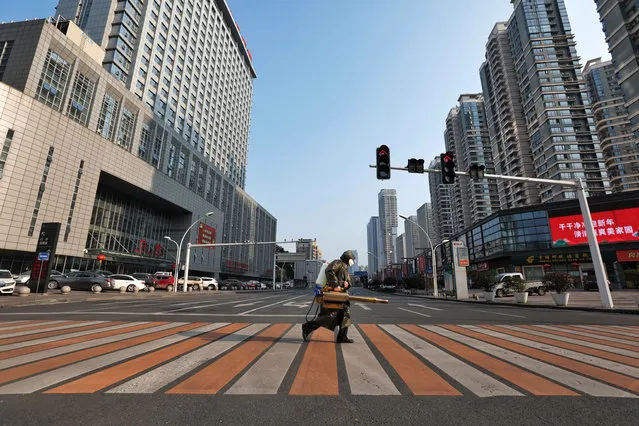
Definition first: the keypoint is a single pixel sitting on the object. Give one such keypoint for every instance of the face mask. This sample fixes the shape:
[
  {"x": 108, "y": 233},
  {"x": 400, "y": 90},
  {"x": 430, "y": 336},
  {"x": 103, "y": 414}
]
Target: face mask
[{"x": 351, "y": 262}]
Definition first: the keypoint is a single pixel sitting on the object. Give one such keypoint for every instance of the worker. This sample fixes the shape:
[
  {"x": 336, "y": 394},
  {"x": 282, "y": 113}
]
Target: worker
[{"x": 337, "y": 320}]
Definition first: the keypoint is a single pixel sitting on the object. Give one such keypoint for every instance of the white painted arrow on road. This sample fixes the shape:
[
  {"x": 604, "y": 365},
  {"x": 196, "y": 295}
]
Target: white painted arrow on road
[
  {"x": 425, "y": 307},
  {"x": 246, "y": 304},
  {"x": 297, "y": 305}
]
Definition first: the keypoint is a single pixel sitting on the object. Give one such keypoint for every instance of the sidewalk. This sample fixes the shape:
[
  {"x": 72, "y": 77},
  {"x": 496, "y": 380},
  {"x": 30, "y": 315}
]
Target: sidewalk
[{"x": 623, "y": 300}]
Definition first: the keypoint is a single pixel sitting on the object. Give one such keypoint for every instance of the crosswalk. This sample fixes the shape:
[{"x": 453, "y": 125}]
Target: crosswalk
[{"x": 220, "y": 358}]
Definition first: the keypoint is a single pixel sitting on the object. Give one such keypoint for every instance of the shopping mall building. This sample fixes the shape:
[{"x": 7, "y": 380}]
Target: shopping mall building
[{"x": 79, "y": 148}]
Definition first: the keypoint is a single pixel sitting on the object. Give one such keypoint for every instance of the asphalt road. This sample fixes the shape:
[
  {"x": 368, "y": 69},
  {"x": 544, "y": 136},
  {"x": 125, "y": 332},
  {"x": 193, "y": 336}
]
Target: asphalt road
[{"x": 238, "y": 358}]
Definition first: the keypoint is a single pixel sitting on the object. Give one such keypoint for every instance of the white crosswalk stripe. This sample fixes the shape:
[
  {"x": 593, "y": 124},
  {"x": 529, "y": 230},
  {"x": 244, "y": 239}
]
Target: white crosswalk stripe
[
  {"x": 45, "y": 330},
  {"x": 39, "y": 324},
  {"x": 586, "y": 334},
  {"x": 575, "y": 381},
  {"x": 607, "y": 330},
  {"x": 158, "y": 378}
]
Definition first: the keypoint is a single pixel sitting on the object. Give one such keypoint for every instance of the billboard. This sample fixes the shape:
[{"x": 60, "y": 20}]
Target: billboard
[
  {"x": 612, "y": 226},
  {"x": 206, "y": 235}
]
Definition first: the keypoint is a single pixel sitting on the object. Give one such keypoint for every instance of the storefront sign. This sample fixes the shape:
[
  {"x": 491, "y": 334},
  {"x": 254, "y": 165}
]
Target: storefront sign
[
  {"x": 628, "y": 255},
  {"x": 462, "y": 256},
  {"x": 237, "y": 266},
  {"x": 206, "y": 235},
  {"x": 611, "y": 226},
  {"x": 559, "y": 258}
]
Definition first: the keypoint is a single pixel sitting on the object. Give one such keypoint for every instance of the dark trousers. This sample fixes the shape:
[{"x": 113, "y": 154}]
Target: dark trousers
[{"x": 330, "y": 318}]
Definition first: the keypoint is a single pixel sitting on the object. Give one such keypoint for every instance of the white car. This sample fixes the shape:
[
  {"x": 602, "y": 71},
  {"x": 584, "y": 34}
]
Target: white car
[
  {"x": 130, "y": 283},
  {"x": 210, "y": 283},
  {"x": 7, "y": 283}
]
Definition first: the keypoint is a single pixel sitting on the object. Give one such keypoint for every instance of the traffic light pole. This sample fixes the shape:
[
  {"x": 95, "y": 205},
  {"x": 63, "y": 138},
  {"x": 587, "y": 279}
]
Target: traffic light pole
[{"x": 580, "y": 187}]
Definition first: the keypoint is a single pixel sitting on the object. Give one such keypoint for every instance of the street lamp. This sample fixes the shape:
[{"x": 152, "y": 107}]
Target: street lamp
[
  {"x": 177, "y": 259},
  {"x": 179, "y": 253},
  {"x": 432, "y": 250}
]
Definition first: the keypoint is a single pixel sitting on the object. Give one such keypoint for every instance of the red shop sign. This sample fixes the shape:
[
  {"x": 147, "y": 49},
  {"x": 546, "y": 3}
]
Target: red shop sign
[
  {"x": 628, "y": 255},
  {"x": 613, "y": 226}
]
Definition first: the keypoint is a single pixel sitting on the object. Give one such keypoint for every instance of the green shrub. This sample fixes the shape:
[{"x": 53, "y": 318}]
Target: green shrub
[
  {"x": 515, "y": 284},
  {"x": 559, "y": 282},
  {"x": 483, "y": 279}
]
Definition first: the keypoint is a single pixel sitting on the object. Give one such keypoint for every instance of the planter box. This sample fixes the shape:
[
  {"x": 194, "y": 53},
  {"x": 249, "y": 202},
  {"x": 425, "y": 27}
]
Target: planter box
[
  {"x": 521, "y": 297},
  {"x": 561, "y": 299},
  {"x": 489, "y": 296}
]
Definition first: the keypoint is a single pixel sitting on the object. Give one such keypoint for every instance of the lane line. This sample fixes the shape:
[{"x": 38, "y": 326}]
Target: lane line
[
  {"x": 565, "y": 377},
  {"x": 217, "y": 304},
  {"x": 602, "y": 340},
  {"x": 498, "y": 313},
  {"x": 479, "y": 383},
  {"x": 266, "y": 375},
  {"x": 415, "y": 312},
  {"x": 160, "y": 377},
  {"x": 418, "y": 377},
  {"x": 317, "y": 374},
  {"x": 364, "y": 307},
  {"x": 211, "y": 379},
  {"x": 272, "y": 304},
  {"x": 566, "y": 353},
  {"x": 425, "y": 307},
  {"x": 584, "y": 347},
  {"x": 109, "y": 377},
  {"x": 366, "y": 376}
]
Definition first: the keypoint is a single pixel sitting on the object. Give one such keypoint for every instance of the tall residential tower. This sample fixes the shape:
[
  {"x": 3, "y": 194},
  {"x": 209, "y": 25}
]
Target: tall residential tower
[{"x": 387, "y": 199}]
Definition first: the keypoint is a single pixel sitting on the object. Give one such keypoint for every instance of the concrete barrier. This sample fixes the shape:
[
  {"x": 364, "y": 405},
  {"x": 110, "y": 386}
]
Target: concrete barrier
[{"x": 65, "y": 289}]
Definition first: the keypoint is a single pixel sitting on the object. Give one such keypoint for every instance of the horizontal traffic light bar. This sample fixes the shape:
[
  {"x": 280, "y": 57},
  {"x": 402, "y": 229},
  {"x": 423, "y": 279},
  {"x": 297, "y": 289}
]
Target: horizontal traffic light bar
[{"x": 564, "y": 183}]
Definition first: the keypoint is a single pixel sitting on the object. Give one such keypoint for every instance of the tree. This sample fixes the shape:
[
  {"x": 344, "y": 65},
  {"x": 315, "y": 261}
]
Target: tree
[{"x": 483, "y": 279}]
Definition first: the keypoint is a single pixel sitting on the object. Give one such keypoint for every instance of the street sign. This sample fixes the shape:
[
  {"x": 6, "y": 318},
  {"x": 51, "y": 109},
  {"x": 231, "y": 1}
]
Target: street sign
[
  {"x": 430, "y": 270},
  {"x": 462, "y": 256},
  {"x": 43, "y": 256}
]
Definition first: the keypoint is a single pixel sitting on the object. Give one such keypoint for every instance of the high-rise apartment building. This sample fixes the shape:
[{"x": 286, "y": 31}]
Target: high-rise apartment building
[
  {"x": 510, "y": 142},
  {"x": 411, "y": 232},
  {"x": 374, "y": 244},
  {"x": 556, "y": 105},
  {"x": 442, "y": 199},
  {"x": 451, "y": 137},
  {"x": 469, "y": 137},
  {"x": 620, "y": 24},
  {"x": 400, "y": 247},
  {"x": 426, "y": 219},
  {"x": 387, "y": 200},
  {"x": 309, "y": 248},
  {"x": 619, "y": 145},
  {"x": 187, "y": 61}
]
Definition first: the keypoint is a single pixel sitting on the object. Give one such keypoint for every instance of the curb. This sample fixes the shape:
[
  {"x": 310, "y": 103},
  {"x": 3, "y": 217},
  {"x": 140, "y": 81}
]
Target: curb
[{"x": 561, "y": 308}]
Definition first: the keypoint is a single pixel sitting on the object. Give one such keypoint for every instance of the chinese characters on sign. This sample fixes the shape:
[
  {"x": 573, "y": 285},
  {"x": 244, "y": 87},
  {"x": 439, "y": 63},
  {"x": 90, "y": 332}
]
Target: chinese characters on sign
[
  {"x": 206, "y": 235},
  {"x": 628, "y": 255},
  {"x": 237, "y": 266},
  {"x": 610, "y": 227},
  {"x": 559, "y": 258}
]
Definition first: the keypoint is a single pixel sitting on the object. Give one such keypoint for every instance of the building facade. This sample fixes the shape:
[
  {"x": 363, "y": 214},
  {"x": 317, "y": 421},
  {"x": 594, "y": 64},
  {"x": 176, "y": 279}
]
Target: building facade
[
  {"x": 619, "y": 19},
  {"x": 620, "y": 146},
  {"x": 555, "y": 99},
  {"x": 426, "y": 219},
  {"x": 412, "y": 233},
  {"x": 309, "y": 248},
  {"x": 387, "y": 200},
  {"x": 510, "y": 142},
  {"x": 374, "y": 244},
  {"x": 79, "y": 148},
  {"x": 443, "y": 201},
  {"x": 400, "y": 247},
  {"x": 451, "y": 139},
  {"x": 187, "y": 61}
]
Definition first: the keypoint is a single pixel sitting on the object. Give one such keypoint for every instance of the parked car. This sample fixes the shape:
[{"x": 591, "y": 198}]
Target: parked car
[
  {"x": 232, "y": 284},
  {"x": 128, "y": 281},
  {"x": 81, "y": 280},
  {"x": 7, "y": 283},
  {"x": 531, "y": 286},
  {"x": 23, "y": 278},
  {"x": 210, "y": 283},
  {"x": 195, "y": 283},
  {"x": 164, "y": 281},
  {"x": 148, "y": 279}
]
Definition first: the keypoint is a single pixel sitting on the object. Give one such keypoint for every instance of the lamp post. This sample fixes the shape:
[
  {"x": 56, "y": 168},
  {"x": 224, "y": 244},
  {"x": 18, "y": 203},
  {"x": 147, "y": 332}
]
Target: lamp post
[
  {"x": 432, "y": 250},
  {"x": 179, "y": 253},
  {"x": 177, "y": 260}
]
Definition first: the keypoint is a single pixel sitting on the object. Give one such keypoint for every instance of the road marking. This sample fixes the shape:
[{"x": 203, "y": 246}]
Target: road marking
[
  {"x": 6, "y": 337},
  {"x": 298, "y": 305},
  {"x": 498, "y": 313},
  {"x": 414, "y": 312},
  {"x": 246, "y": 304},
  {"x": 425, "y": 307},
  {"x": 566, "y": 353},
  {"x": 609, "y": 341},
  {"x": 34, "y": 328},
  {"x": 211, "y": 379},
  {"x": 266, "y": 375},
  {"x": 614, "y": 336},
  {"x": 28, "y": 325},
  {"x": 481, "y": 384},
  {"x": 272, "y": 304},
  {"x": 629, "y": 357},
  {"x": 159, "y": 377},
  {"x": 17, "y": 324},
  {"x": 365, "y": 374},
  {"x": 418, "y": 377},
  {"x": 45, "y": 334},
  {"x": 79, "y": 363},
  {"x": 317, "y": 374},
  {"x": 364, "y": 307},
  {"x": 575, "y": 381},
  {"x": 105, "y": 378},
  {"x": 215, "y": 304}
]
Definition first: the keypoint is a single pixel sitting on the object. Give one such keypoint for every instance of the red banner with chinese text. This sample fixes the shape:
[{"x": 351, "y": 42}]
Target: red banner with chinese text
[{"x": 611, "y": 226}]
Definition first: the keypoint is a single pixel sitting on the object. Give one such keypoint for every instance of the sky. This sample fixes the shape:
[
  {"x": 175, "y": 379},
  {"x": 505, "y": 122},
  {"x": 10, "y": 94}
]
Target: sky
[{"x": 336, "y": 79}]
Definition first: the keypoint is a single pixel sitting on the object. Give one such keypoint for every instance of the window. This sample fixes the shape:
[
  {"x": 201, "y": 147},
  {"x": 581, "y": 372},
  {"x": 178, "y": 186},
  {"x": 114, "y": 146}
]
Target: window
[
  {"x": 81, "y": 96},
  {"x": 5, "y": 150},
  {"x": 36, "y": 209},
  {"x": 127, "y": 125},
  {"x": 106, "y": 121},
  {"x": 5, "y": 50},
  {"x": 53, "y": 80}
]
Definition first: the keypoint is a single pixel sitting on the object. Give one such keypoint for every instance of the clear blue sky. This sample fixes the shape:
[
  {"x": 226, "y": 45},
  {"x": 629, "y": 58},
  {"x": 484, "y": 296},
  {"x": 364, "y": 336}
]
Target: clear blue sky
[{"x": 337, "y": 78}]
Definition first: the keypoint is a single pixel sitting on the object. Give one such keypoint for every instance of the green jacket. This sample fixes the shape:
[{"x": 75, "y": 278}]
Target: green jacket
[{"x": 336, "y": 274}]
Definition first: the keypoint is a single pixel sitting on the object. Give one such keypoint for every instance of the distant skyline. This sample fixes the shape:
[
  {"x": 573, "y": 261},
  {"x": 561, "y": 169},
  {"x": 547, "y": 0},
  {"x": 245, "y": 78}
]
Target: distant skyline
[{"x": 338, "y": 78}]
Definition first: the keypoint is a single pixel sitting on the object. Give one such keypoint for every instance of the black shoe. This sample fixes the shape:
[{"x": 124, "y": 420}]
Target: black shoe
[
  {"x": 342, "y": 336},
  {"x": 305, "y": 332},
  {"x": 346, "y": 340}
]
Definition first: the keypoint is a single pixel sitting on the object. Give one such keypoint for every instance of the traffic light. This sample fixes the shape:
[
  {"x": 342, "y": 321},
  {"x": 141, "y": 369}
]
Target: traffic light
[
  {"x": 415, "y": 166},
  {"x": 476, "y": 171},
  {"x": 447, "y": 161},
  {"x": 383, "y": 163}
]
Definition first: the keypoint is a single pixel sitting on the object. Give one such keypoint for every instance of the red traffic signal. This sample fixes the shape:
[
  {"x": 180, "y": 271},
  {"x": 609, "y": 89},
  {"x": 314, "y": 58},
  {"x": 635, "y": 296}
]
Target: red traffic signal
[
  {"x": 382, "y": 154},
  {"x": 447, "y": 162}
]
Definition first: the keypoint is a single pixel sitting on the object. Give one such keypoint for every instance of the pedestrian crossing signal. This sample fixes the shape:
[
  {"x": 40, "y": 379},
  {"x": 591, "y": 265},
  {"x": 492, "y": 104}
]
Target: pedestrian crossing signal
[{"x": 383, "y": 163}]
